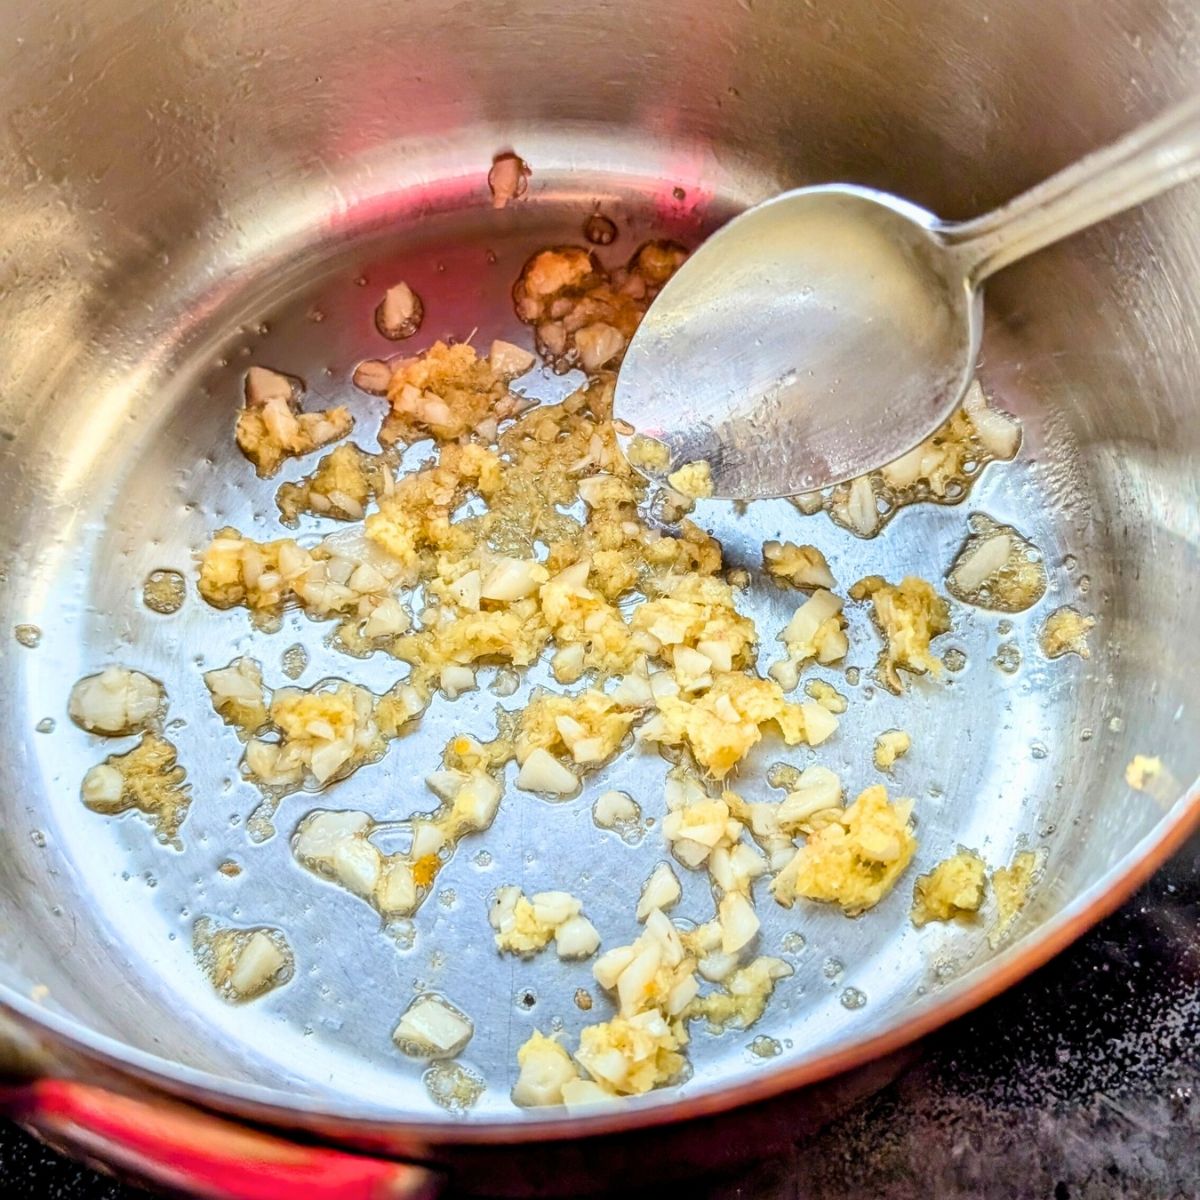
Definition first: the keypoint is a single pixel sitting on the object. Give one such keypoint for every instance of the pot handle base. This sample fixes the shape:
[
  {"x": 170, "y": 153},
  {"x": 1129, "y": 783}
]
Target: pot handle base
[{"x": 196, "y": 1154}]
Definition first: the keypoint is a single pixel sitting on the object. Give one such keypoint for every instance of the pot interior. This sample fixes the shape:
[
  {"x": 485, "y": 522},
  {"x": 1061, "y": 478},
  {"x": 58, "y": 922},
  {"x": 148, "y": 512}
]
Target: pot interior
[{"x": 202, "y": 196}]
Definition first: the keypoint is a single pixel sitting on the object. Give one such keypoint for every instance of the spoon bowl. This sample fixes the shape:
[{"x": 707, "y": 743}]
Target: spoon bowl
[
  {"x": 813, "y": 338},
  {"x": 827, "y": 331}
]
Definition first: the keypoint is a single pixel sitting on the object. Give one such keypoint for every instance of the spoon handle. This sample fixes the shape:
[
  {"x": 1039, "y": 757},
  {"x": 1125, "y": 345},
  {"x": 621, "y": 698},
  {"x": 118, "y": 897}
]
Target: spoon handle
[{"x": 1153, "y": 158}]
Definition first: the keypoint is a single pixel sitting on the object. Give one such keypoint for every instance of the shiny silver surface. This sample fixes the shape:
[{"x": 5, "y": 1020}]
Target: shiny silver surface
[
  {"x": 827, "y": 331},
  {"x": 186, "y": 189}
]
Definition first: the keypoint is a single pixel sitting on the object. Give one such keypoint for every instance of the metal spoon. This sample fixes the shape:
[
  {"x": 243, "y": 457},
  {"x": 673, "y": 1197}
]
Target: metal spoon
[{"x": 827, "y": 331}]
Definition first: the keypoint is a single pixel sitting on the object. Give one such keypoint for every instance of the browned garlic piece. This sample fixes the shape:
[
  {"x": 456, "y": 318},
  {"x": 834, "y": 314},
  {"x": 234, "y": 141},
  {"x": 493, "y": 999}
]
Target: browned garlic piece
[{"x": 508, "y": 178}]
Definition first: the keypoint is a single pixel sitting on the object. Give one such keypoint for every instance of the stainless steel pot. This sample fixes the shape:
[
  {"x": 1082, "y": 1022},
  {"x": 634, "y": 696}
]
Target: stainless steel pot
[{"x": 190, "y": 188}]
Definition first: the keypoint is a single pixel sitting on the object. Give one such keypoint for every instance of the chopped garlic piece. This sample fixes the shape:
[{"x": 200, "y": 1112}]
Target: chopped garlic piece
[
  {"x": 509, "y": 360},
  {"x": 817, "y": 792},
  {"x": 243, "y": 964},
  {"x": 508, "y": 178},
  {"x": 615, "y": 809},
  {"x": 654, "y": 972},
  {"x": 801, "y": 566},
  {"x": 738, "y": 920},
  {"x": 432, "y": 1028},
  {"x": 996, "y": 431},
  {"x": 545, "y": 1069},
  {"x": 997, "y": 568},
  {"x": 816, "y": 630},
  {"x": 239, "y": 696},
  {"x": 372, "y": 376},
  {"x": 696, "y": 823},
  {"x": 581, "y": 1094},
  {"x": 454, "y": 680},
  {"x": 1141, "y": 771},
  {"x": 597, "y": 344},
  {"x": 735, "y": 867},
  {"x": 400, "y": 313},
  {"x": 542, "y": 772},
  {"x": 116, "y": 702},
  {"x": 660, "y": 891}
]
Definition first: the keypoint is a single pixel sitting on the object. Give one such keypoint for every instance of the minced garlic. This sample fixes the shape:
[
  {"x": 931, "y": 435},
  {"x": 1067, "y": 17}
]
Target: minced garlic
[
  {"x": 342, "y": 485},
  {"x": 855, "y": 859},
  {"x": 271, "y": 427},
  {"x": 582, "y": 314},
  {"x": 725, "y": 723},
  {"x": 526, "y": 925},
  {"x": 447, "y": 392},
  {"x": 940, "y": 470}
]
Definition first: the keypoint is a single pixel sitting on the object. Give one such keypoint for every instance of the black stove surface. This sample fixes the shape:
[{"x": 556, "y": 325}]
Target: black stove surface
[{"x": 1081, "y": 1083}]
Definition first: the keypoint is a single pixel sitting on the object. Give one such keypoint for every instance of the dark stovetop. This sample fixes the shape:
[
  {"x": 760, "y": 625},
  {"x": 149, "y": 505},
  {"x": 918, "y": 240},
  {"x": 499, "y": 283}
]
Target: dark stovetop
[{"x": 1083, "y": 1083}]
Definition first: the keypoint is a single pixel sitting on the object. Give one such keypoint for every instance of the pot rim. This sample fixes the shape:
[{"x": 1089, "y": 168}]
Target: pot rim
[{"x": 275, "y": 1107}]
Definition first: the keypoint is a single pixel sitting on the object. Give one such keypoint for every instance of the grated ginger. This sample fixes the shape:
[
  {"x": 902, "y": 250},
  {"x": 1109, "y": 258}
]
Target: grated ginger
[
  {"x": 889, "y": 746},
  {"x": 693, "y": 480},
  {"x": 908, "y": 615},
  {"x": 1065, "y": 631},
  {"x": 1011, "y": 886},
  {"x": 743, "y": 997},
  {"x": 954, "y": 888},
  {"x": 146, "y": 778}
]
